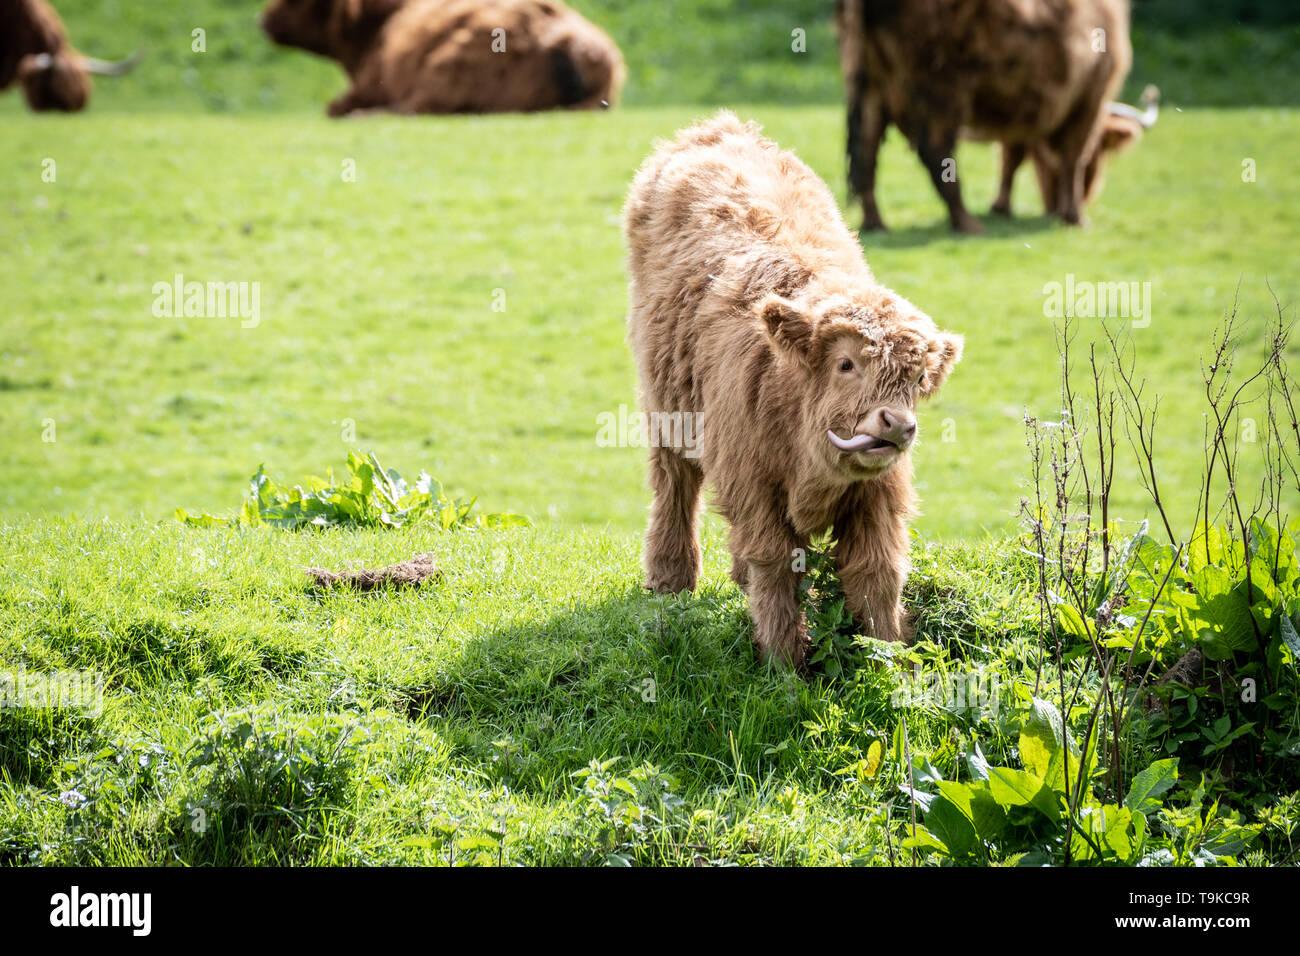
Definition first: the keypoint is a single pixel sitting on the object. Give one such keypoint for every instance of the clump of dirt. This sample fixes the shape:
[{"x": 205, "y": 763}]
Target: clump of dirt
[{"x": 412, "y": 572}]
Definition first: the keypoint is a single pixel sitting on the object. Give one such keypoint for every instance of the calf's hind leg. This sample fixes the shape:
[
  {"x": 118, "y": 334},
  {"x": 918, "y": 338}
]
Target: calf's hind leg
[{"x": 672, "y": 548}]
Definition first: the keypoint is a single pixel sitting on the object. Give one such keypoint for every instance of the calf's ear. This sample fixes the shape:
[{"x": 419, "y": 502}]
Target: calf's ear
[
  {"x": 790, "y": 330},
  {"x": 942, "y": 353}
]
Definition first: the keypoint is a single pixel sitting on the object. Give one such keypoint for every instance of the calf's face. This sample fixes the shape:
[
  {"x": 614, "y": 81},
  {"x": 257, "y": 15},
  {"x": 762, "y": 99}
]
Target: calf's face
[{"x": 863, "y": 373}]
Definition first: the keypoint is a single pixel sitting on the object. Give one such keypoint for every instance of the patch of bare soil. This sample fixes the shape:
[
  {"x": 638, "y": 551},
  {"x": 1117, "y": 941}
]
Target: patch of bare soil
[{"x": 412, "y": 572}]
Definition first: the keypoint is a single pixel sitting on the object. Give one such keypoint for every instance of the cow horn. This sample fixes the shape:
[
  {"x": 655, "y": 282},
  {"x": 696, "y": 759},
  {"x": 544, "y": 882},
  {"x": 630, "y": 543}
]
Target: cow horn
[
  {"x": 856, "y": 443},
  {"x": 108, "y": 67},
  {"x": 1147, "y": 115}
]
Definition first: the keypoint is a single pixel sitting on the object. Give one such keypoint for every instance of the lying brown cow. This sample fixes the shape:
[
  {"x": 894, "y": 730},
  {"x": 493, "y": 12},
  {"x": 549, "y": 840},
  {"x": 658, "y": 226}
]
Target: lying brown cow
[
  {"x": 454, "y": 56},
  {"x": 753, "y": 313},
  {"x": 35, "y": 52},
  {"x": 1036, "y": 75}
]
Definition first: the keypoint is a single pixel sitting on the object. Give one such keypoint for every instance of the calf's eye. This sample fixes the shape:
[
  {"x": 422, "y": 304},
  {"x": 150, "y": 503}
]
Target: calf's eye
[{"x": 846, "y": 365}]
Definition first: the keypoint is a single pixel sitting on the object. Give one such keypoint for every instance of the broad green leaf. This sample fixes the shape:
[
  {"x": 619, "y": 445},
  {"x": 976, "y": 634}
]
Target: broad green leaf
[
  {"x": 875, "y": 752},
  {"x": 976, "y": 803},
  {"x": 1040, "y": 736},
  {"x": 1149, "y": 785},
  {"x": 1015, "y": 788},
  {"x": 1072, "y": 624},
  {"x": 924, "y": 840},
  {"x": 951, "y": 826}
]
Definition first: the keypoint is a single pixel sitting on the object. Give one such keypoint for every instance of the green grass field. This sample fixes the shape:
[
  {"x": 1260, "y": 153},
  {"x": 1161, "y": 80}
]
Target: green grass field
[
  {"x": 377, "y": 301},
  {"x": 448, "y": 292}
]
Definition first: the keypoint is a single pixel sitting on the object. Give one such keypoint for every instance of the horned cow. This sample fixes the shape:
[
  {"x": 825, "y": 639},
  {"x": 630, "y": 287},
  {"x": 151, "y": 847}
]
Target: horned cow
[
  {"x": 454, "y": 56},
  {"x": 35, "y": 52},
  {"x": 1036, "y": 75},
  {"x": 753, "y": 311}
]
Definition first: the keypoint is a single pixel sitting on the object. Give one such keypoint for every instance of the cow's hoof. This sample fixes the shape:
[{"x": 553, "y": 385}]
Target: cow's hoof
[
  {"x": 1001, "y": 209},
  {"x": 969, "y": 225}
]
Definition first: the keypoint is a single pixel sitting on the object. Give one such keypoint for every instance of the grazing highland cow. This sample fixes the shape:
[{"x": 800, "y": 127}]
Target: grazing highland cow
[
  {"x": 753, "y": 311},
  {"x": 34, "y": 51},
  {"x": 1035, "y": 75},
  {"x": 454, "y": 56}
]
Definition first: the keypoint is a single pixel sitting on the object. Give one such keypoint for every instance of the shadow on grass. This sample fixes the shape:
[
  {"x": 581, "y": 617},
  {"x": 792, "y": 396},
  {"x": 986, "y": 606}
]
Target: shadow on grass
[
  {"x": 996, "y": 227},
  {"x": 671, "y": 681}
]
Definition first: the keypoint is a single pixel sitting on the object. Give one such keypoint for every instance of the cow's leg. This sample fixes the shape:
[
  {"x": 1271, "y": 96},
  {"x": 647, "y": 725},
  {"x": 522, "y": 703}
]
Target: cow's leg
[
  {"x": 350, "y": 102},
  {"x": 1013, "y": 154},
  {"x": 1045, "y": 170},
  {"x": 1075, "y": 145},
  {"x": 936, "y": 147},
  {"x": 867, "y": 122},
  {"x": 871, "y": 552},
  {"x": 1070, "y": 186},
  {"x": 672, "y": 548}
]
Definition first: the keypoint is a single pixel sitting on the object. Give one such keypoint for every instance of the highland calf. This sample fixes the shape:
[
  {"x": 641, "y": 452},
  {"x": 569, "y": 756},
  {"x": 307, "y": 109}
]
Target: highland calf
[
  {"x": 454, "y": 56},
  {"x": 1036, "y": 75},
  {"x": 34, "y": 51},
  {"x": 753, "y": 310}
]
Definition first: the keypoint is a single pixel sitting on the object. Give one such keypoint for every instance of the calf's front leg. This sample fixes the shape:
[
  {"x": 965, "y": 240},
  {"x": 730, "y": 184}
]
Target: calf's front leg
[
  {"x": 871, "y": 553},
  {"x": 779, "y": 628},
  {"x": 672, "y": 547},
  {"x": 763, "y": 547}
]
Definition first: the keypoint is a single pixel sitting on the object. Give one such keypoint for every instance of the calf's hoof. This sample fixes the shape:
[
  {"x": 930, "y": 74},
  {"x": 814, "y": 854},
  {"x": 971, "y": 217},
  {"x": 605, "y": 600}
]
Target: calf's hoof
[
  {"x": 787, "y": 649},
  {"x": 670, "y": 583},
  {"x": 793, "y": 657}
]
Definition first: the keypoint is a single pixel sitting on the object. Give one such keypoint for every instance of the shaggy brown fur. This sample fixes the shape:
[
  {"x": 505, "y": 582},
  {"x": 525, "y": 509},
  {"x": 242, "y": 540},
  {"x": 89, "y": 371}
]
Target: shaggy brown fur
[
  {"x": 29, "y": 28},
  {"x": 437, "y": 56},
  {"x": 1022, "y": 72},
  {"x": 752, "y": 309},
  {"x": 409, "y": 573}
]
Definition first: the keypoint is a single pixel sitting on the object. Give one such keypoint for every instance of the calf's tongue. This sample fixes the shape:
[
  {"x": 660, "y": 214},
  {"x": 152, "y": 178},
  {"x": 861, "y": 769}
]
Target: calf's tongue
[{"x": 856, "y": 443}]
